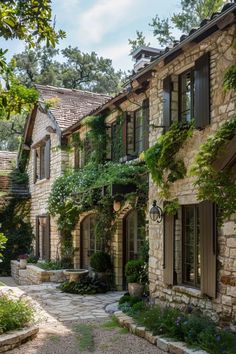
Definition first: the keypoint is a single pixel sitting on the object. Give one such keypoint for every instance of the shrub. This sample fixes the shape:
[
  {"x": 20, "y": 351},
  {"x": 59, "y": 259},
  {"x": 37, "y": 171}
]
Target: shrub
[
  {"x": 51, "y": 265},
  {"x": 87, "y": 286},
  {"x": 14, "y": 314},
  {"x": 136, "y": 271},
  {"x": 129, "y": 299},
  {"x": 101, "y": 262}
]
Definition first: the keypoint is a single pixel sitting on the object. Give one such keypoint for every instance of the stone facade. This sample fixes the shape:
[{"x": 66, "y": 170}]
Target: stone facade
[{"x": 223, "y": 107}]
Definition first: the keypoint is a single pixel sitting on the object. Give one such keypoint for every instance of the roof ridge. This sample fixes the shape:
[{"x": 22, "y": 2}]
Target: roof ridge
[{"x": 57, "y": 88}]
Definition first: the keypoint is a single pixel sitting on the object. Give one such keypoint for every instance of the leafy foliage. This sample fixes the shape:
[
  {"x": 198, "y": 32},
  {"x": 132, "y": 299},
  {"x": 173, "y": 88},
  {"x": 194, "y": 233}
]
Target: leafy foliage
[
  {"x": 161, "y": 159},
  {"x": 136, "y": 271},
  {"x": 139, "y": 41},
  {"x": 196, "y": 330},
  {"x": 50, "y": 265},
  {"x": 230, "y": 78},
  {"x": 3, "y": 240},
  {"x": 86, "y": 285},
  {"x": 101, "y": 262},
  {"x": 214, "y": 185},
  {"x": 14, "y": 314},
  {"x": 191, "y": 14}
]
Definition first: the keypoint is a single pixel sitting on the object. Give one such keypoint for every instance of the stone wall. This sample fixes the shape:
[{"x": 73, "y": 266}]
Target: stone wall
[
  {"x": 223, "y": 106},
  {"x": 40, "y": 190},
  {"x": 35, "y": 275}
]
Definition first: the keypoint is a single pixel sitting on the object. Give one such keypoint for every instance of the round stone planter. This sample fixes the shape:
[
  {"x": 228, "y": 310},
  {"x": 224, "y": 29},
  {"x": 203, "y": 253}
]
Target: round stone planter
[
  {"x": 136, "y": 289},
  {"x": 75, "y": 274},
  {"x": 23, "y": 263}
]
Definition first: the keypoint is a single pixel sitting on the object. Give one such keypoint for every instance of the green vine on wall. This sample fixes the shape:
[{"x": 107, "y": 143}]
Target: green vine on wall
[
  {"x": 165, "y": 167},
  {"x": 215, "y": 185}
]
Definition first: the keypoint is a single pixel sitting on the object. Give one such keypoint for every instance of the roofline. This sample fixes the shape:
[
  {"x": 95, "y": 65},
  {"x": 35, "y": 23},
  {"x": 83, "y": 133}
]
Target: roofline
[
  {"x": 144, "y": 47},
  {"x": 189, "y": 38}
]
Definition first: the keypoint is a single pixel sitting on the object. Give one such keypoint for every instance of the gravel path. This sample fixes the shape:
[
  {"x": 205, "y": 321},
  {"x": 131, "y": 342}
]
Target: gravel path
[{"x": 67, "y": 340}]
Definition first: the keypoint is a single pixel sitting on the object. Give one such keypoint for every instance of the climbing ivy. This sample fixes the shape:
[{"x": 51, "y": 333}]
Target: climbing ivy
[
  {"x": 216, "y": 185},
  {"x": 162, "y": 162}
]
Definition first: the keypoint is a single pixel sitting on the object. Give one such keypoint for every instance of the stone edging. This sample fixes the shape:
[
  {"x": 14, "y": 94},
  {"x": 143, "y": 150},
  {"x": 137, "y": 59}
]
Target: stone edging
[
  {"x": 164, "y": 345},
  {"x": 13, "y": 339}
]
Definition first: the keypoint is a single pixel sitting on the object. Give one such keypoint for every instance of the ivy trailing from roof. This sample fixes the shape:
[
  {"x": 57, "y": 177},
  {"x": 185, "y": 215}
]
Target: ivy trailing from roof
[
  {"x": 162, "y": 161},
  {"x": 215, "y": 185}
]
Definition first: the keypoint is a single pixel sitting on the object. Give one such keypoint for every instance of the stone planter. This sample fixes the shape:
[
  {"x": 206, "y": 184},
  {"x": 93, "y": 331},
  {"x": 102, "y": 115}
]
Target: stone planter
[
  {"x": 136, "y": 289},
  {"x": 23, "y": 263},
  {"x": 75, "y": 274}
]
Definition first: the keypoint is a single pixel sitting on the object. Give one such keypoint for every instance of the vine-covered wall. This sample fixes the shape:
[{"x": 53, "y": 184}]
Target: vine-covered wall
[{"x": 223, "y": 108}]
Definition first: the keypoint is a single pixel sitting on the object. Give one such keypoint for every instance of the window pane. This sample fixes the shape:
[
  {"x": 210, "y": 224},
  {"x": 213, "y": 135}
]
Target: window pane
[
  {"x": 42, "y": 162},
  {"x": 186, "y": 96}
]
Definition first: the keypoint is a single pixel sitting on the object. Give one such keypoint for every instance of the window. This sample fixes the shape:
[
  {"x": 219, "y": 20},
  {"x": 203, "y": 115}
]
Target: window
[
  {"x": 191, "y": 245},
  {"x": 186, "y": 95},
  {"x": 83, "y": 154},
  {"x": 192, "y": 91},
  {"x": 42, "y": 160},
  {"x": 141, "y": 128},
  {"x": 43, "y": 237},
  {"x": 116, "y": 141}
]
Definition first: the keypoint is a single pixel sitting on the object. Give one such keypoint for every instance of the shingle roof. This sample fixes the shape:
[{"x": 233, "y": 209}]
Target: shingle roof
[{"x": 72, "y": 105}]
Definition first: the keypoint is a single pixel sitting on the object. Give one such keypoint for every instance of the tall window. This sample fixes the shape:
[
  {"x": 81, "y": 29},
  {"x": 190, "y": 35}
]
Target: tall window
[
  {"x": 43, "y": 237},
  {"x": 186, "y": 90},
  {"x": 41, "y": 154},
  {"x": 191, "y": 245}
]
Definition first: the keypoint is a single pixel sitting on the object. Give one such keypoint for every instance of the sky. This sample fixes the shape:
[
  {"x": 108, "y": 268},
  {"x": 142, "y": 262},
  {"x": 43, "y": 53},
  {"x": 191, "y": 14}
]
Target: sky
[{"x": 104, "y": 26}]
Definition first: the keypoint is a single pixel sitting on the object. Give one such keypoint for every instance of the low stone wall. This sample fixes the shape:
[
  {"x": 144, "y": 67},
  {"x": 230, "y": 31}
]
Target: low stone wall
[
  {"x": 35, "y": 275},
  {"x": 163, "y": 345},
  {"x": 13, "y": 339}
]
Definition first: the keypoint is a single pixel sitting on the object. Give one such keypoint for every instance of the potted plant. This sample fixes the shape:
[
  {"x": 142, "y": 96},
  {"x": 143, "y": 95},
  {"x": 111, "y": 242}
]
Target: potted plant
[
  {"x": 23, "y": 261},
  {"x": 102, "y": 265},
  {"x": 136, "y": 275}
]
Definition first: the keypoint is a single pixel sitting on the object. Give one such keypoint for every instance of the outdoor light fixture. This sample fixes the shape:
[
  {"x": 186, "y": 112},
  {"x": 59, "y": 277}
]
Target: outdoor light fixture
[{"x": 156, "y": 213}]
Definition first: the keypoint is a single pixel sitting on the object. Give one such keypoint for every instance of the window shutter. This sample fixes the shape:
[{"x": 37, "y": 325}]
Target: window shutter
[
  {"x": 35, "y": 165},
  {"x": 167, "y": 88},
  {"x": 37, "y": 237},
  {"x": 124, "y": 133},
  {"x": 208, "y": 248},
  {"x": 168, "y": 247},
  {"x": 202, "y": 91},
  {"x": 46, "y": 241},
  {"x": 47, "y": 158},
  {"x": 145, "y": 124},
  {"x": 76, "y": 156}
]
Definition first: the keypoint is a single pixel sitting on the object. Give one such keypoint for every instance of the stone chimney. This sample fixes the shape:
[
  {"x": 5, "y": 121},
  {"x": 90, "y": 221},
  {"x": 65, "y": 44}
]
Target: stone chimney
[{"x": 143, "y": 55}]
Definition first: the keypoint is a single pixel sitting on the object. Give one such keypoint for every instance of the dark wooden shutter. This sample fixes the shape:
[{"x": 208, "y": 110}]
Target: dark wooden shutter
[
  {"x": 47, "y": 158},
  {"x": 146, "y": 124},
  {"x": 124, "y": 134},
  {"x": 168, "y": 247},
  {"x": 108, "y": 143},
  {"x": 37, "y": 236},
  {"x": 35, "y": 165},
  {"x": 46, "y": 241},
  {"x": 207, "y": 222},
  {"x": 202, "y": 91},
  {"x": 167, "y": 88}
]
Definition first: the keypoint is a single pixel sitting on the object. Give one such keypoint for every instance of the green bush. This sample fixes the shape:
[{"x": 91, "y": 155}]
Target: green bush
[
  {"x": 136, "y": 271},
  {"x": 101, "y": 262},
  {"x": 197, "y": 331},
  {"x": 14, "y": 314},
  {"x": 51, "y": 265},
  {"x": 129, "y": 299},
  {"x": 87, "y": 286}
]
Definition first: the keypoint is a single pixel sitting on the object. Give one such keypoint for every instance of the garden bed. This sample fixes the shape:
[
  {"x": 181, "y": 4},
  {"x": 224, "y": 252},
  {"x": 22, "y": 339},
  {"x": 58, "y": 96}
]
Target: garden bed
[
  {"x": 188, "y": 332},
  {"x": 34, "y": 274}
]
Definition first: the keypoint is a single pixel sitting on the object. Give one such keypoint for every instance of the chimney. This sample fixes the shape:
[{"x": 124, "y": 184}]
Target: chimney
[{"x": 143, "y": 55}]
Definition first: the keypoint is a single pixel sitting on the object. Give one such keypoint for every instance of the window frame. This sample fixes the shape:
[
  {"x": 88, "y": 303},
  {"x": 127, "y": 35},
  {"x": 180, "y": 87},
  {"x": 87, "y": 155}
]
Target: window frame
[
  {"x": 180, "y": 93},
  {"x": 196, "y": 246}
]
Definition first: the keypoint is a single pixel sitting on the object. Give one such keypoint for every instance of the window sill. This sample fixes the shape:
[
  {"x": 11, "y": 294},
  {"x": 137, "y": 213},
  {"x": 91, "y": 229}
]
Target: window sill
[
  {"x": 41, "y": 181},
  {"x": 188, "y": 291}
]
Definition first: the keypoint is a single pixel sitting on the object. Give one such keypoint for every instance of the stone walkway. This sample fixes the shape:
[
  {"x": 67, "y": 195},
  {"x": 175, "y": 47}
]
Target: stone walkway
[{"x": 52, "y": 305}]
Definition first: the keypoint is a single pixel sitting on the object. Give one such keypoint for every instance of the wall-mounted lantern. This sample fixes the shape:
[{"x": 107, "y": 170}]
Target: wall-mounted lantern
[{"x": 156, "y": 213}]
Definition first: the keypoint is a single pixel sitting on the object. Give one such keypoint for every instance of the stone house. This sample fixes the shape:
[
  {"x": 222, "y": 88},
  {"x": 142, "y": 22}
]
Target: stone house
[
  {"x": 56, "y": 110},
  {"x": 189, "y": 263}
]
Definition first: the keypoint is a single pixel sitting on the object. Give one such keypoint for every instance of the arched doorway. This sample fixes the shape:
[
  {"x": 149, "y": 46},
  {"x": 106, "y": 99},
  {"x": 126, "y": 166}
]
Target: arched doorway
[
  {"x": 88, "y": 242},
  {"x": 134, "y": 234}
]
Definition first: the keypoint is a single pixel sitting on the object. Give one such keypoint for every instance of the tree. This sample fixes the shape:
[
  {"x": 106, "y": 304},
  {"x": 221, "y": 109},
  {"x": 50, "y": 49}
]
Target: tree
[
  {"x": 191, "y": 14},
  {"x": 140, "y": 40},
  {"x": 87, "y": 71},
  {"x": 11, "y": 131}
]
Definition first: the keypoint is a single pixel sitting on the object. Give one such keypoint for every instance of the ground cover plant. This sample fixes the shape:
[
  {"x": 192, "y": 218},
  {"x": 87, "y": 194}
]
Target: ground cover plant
[
  {"x": 195, "y": 330},
  {"x": 14, "y": 314},
  {"x": 87, "y": 286},
  {"x": 50, "y": 265}
]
